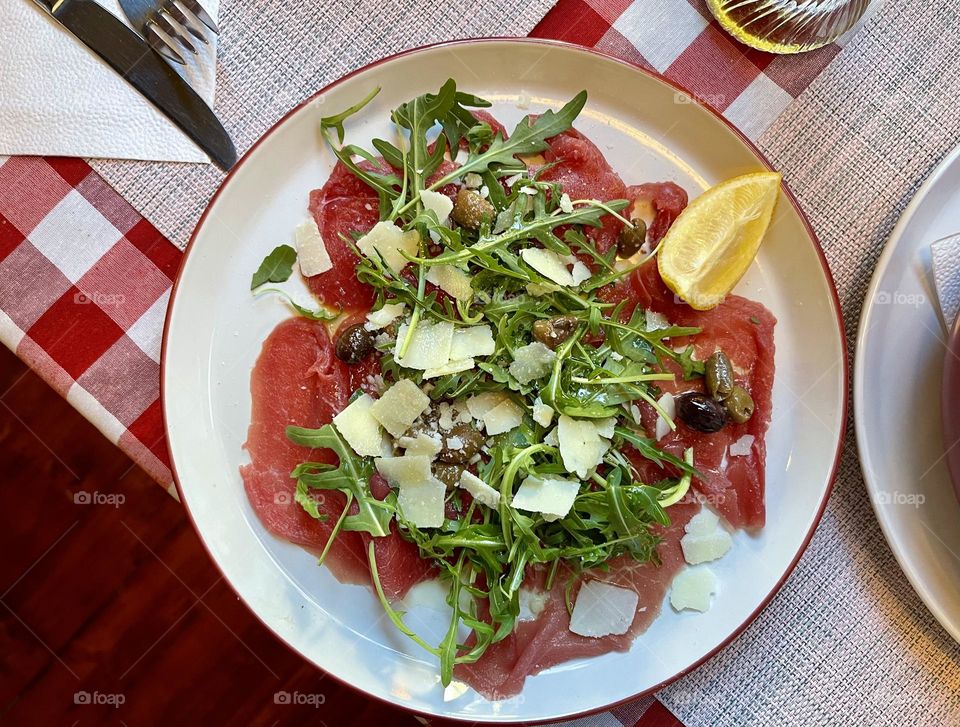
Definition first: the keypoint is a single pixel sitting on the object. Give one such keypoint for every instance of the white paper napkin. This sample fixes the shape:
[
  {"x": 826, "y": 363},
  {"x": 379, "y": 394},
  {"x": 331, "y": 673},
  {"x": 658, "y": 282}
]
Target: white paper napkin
[
  {"x": 945, "y": 255},
  {"x": 58, "y": 98}
]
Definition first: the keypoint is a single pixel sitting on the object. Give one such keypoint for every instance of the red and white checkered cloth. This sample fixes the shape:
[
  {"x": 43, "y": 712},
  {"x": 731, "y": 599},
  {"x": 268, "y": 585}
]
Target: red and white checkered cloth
[{"x": 85, "y": 280}]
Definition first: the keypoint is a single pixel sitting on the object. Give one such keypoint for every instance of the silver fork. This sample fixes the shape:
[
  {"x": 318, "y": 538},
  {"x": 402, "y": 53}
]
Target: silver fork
[{"x": 168, "y": 25}]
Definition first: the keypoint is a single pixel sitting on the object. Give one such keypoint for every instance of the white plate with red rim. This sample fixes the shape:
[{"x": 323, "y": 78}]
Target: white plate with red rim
[{"x": 651, "y": 131}]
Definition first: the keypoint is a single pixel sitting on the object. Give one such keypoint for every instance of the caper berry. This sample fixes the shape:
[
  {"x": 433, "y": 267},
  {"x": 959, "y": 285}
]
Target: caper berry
[
  {"x": 719, "y": 375},
  {"x": 740, "y": 405},
  {"x": 354, "y": 343},
  {"x": 448, "y": 474},
  {"x": 551, "y": 332},
  {"x": 467, "y": 442},
  {"x": 471, "y": 210},
  {"x": 698, "y": 411},
  {"x": 631, "y": 239}
]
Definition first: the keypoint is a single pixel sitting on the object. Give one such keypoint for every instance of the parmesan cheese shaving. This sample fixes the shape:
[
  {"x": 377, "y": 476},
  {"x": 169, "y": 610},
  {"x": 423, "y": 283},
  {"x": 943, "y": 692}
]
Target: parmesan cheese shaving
[
  {"x": 390, "y": 243},
  {"x": 603, "y": 609},
  {"x": 311, "y": 252},
  {"x": 399, "y": 406},
  {"x": 548, "y": 264},
  {"x": 360, "y": 429}
]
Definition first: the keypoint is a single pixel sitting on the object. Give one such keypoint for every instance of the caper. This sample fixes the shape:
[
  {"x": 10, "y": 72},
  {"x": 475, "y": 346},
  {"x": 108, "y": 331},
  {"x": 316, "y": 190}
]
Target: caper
[
  {"x": 448, "y": 474},
  {"x": 354, "y": 343},
  {"x": 740, "y": 405},
  {"x": 698, "y": 411},
  {"x": 719, "y": 375},
  {"x": 471, "y": 210},
  {"x": 460, "y": 444},
  {"x": 632, "y": 238},
  {"x": 551, "y": 332}
]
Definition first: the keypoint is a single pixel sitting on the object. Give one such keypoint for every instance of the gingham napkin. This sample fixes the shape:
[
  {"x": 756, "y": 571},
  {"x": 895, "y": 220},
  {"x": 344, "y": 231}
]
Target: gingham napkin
[
  {"x": 58, "y": 98},
  {"x": 945, "y": 255},
  {"x": 846, "y": 640}
]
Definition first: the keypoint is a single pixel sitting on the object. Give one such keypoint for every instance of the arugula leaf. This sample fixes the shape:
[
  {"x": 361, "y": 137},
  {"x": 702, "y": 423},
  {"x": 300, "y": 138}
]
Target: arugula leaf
[
  {"x": 277, "y": 267},
  {"x": 528, "y": 137},
  {"x": 351, "y": 477},
  {"x": 336, "y": 121},
  {"x": 321, "y": 314}
]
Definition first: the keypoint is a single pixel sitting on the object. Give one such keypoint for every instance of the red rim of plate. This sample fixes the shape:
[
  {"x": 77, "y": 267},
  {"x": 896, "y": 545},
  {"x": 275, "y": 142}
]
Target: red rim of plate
[
  {"x": 761, "y": 159},
  {"x": 949, "y": 411}
]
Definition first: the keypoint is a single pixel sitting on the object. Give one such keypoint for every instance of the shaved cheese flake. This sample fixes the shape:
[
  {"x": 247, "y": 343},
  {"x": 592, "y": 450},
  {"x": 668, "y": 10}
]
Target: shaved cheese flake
[
  {"x": 656, "y": 321},
  {"x": 480, "y": 404},
  {"x": 668, "y": 403},
  {"x": 406, "y": 470},
  {"x": 532, "y": 603},
  {"x": 703, "y": 523},
  {"x": 311, "y": 252},
  {"x": 705, "y": 538},
  {"x": 542, "y": 413},
  {"x": 550, "y": 496},
  {"x": 451, "y": 367},
  {"x": 430, "y": 346},
  {"x": 552, "y": 439},
  {"x": 422, "y": 504},
  {"x": 390, "y": 242},
  {"x": 472, "y": 341},
  {"x": 580, "y": 446},
  {"x": 502, "y": 418},
  {"x": 742, "y": 447},
  {"x": 692, "y": 588},
  {"x": 451, "y": 280},
  {"x": 548, "y": 264},
  {"x": 580, "y": 273},
  {"x": 384, "y": 316},
  {"x": 360, "y": 429},
  {"x": 704, "y": 548},
  {"x": 605, "y": 427},
  {"x": 603, "y": 609},
  {"x": 566, "y": 204},
  {"x": 472, "y": 180},
  {"x": 422, "y": 444},
  {"x": 440, "y": 204},
  {"x": 399, "y": 406},
  {"x": 480, "y": 490},
  {"x": 531, "y": 362}
]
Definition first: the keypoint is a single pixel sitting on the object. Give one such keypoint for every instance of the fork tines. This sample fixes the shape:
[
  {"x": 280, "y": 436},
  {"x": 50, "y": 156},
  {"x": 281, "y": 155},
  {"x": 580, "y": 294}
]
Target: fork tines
[{"x": 173, "y": 23}]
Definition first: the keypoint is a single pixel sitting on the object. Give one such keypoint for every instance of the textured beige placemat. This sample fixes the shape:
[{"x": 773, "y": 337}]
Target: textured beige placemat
[
  {"x": 847, "y": 641},
  {"x": 273, "y": 54}
]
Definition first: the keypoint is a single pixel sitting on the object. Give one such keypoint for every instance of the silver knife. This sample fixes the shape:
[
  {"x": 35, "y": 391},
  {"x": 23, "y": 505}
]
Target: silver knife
[{"x": 130, "y": 56}]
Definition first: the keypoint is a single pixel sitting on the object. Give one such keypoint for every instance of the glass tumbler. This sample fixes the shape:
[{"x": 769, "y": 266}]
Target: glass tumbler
[{"x": 787, "y": 26}]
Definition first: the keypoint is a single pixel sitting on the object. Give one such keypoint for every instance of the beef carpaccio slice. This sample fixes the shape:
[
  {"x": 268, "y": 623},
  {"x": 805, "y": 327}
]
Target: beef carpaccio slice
[
  {"x": 297, "y": 380},
  {"x": 584, "y": 173}
]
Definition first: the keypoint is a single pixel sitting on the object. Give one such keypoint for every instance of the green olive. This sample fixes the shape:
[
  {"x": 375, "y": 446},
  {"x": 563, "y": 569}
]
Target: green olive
[
  {"x": 739, "y": 405},
  {"x": 471, "y": 210},
  {"x": 719, "y": 374},
  {"x": 632, "y": 238},
  {"x": 551, "y": 332}
]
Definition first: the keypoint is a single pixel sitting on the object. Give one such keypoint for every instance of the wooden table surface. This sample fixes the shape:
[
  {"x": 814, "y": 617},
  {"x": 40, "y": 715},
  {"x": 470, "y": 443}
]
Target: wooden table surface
[{"x": 112, "y": 613}]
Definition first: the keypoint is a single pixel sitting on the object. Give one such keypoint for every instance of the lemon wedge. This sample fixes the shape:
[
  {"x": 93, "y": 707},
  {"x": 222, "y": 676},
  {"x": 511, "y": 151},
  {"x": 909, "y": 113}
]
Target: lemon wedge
[{"x": 712, "y": 243}]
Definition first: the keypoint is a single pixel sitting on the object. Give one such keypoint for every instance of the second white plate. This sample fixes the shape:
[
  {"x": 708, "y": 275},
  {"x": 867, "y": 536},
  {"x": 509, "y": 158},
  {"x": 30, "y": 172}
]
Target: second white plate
[{"x": 901, "y": 346}]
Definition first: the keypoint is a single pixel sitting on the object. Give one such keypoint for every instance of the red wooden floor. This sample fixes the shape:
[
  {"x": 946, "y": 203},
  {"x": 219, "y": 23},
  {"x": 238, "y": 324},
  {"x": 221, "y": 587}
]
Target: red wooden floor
[{"x": 112, "y": 613}]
